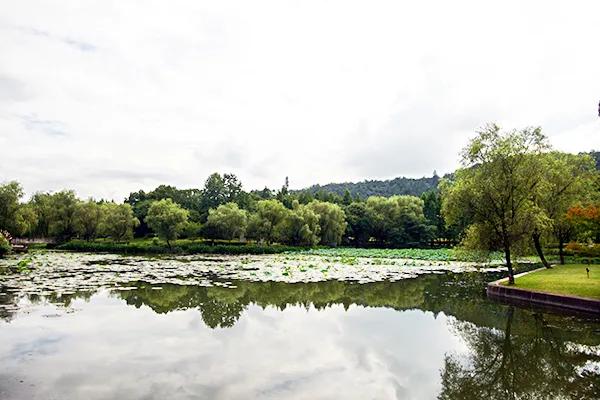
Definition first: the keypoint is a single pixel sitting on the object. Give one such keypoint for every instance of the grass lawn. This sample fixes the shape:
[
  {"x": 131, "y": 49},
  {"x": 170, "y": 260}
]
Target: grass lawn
[{"x": 570, "y": 279}]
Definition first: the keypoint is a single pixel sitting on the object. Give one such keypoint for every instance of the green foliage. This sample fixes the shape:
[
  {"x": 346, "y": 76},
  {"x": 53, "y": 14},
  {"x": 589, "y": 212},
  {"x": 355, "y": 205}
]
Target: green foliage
[
  {"x": 227, "y": 221},
  {"x": 167, "y": 219},
  {"x": 88, "y": 217},
  {"x": 219, "y": 190},
  {"x": 358, "y": 229},
  {"x": 415, "y": 254},
  {"x": 26, "y": 220},
  {"x": 495, "y": 189},
  {"x": 42, "y": 205},
  {"x": 141, "y": 246},
  {"x": 387, "y": 188},
  {"x": 332, "y": 221},
  {"x": 5, "y": 247},
  {"x": 567, "y": 180},
  {"x": 397, "y": 220},
  {"x": 300, "y": 226},
  {"x": 10, "y": 194},
  {"x": 62, "y": 206},
  {"x": 263, "y": 224},
  {"x": 118, "y": 221},
  {"x": 24, "y": 265}
]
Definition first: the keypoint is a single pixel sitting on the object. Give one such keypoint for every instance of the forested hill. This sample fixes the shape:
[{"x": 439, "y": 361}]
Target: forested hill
[
  {"x": 386, "y": 188},
  {"x": 395, "y": 186}
]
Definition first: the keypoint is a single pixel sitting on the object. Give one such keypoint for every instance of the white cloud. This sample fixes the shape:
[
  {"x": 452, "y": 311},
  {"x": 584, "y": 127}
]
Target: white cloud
[{"x": 319, "y": 91}]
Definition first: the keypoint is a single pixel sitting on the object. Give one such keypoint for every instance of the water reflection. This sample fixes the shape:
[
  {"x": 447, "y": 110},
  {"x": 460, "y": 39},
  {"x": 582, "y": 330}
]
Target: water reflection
[
  {"x": 539, "y": 362},
  {"x": 434, "y": 336}
]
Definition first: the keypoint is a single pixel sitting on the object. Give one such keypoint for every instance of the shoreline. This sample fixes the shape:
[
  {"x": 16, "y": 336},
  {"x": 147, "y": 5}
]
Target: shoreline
[{"x": 497, "y": 291}]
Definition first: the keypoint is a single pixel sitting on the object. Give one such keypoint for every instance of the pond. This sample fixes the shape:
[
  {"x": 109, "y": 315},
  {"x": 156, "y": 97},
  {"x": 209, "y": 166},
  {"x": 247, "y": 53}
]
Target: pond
[{"x": 84, "y": 326}]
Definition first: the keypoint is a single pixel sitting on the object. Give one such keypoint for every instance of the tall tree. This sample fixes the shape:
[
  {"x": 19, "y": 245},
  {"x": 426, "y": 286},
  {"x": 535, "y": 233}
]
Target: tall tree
[
  {"x": 332, "y": 221},
  {"x": 494, "y": 189},
  {"x": 167, "y": 219},
  {"x": 62, "y": 215},
  {"x": 300, "y": 226},
  {"x": 566, "y": 180},
  {"x": 264, "y": 222},
  {"x": 358, "y": 217},
  {"x": 118, "y": 221},
  {"x": 397, "y": 220},
  {"x": 10, "y": 194},
  {"x": 227, "y": 221},
  {"x": 88, "y": 217}
]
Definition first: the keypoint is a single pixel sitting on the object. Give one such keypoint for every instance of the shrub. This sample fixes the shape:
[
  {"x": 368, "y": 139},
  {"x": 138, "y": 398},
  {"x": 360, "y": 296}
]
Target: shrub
[{"x": 4, "y": 245}]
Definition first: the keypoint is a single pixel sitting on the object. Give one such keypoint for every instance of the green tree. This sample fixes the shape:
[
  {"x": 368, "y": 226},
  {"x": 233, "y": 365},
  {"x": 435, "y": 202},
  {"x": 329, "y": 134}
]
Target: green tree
[
  {"x": 227, "y": 221},
  {"x": 26, "y": 220},
  {"x": 300, "y": 226},
  {"x": 566, "y": 180},
  {"x": 4, "y": 245},
  {"x": 167, "y": 219},
  {"x": 332, "y": 221},
  {"x": 397, "y": 220},
  {"x": 494, "y": 189},
  {"x": 62, "y": 215},
  {"x": 88, "y": 216},
  {"x": 118, "y": 221},
  {"x": 220, "y": 190},
  {"x": 347, "y": 199},
  {"x": 358, "y": 217},
  {"x": 10, "y": 194},
  {"x": 42, "y": 205},
  {"x": 432, "y": 209},
  {"x": 263, "y": 223}
]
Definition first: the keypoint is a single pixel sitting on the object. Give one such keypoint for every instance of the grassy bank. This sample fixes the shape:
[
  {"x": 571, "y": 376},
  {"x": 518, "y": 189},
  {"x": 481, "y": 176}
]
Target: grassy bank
[
  {"x": 570, "y": 279},
  {"x": 150, "y": 246}
]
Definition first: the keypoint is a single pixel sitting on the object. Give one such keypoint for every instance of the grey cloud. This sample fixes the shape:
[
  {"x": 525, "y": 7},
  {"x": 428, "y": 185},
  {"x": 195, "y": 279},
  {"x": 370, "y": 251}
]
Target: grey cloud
[
  {"x": 12, "y": 89},
  {"x": 74, "y": 43},
  {"x": 127, "y": 175},
  {"x": 47, "y": 126},
  {"x": 410, "y": 143},
  {"x": 83, "y": 46},
  {"x": 223, "y": 155}
]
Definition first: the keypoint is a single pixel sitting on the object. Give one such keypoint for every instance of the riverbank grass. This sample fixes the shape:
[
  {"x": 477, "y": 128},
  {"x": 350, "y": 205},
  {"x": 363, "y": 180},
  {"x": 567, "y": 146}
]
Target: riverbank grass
[{"x": 570, "y": 280}]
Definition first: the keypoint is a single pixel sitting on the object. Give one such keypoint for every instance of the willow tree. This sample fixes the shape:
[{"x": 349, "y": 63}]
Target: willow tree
[
  {"x": 495, "y": 187},
  {"x": 227, "y": 221},
  {"x": 332, "y": 221},
  {"x": 567, "y": 179}
]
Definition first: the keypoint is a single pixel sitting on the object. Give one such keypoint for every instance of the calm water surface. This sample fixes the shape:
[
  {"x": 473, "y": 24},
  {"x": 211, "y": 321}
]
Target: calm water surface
[{"x": 434, "y": 336}]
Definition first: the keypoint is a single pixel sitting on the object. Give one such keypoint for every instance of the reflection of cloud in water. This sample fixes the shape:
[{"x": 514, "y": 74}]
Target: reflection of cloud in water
[{"x": 115, "y": 351}]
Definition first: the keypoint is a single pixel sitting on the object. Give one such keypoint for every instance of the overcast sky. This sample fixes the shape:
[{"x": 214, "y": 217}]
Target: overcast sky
[{"x": 108, "y": 97}]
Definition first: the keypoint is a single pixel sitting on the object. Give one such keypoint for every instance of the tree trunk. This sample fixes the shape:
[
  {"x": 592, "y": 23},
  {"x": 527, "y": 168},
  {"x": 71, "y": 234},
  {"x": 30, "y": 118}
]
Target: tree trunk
[
  {"x": 561, "y": 251},
  {"x": 169, "y": 244},
  {"x": 538, "y": 248},
  {"x": 511, "y": 276}
]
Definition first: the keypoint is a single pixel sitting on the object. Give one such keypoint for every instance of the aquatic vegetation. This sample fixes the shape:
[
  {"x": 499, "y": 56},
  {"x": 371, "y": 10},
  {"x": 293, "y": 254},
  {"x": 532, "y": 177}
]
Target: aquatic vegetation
[
  {"x": 24, "y": 265},
  {"x": 347, "y": 253},
  {"x": 64, "y": 271}
]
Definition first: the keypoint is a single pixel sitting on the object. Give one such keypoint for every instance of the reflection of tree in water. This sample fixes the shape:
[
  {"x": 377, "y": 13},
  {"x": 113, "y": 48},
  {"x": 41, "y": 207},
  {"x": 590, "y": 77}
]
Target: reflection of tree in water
[
  {"x": 222, "y": 307},
  {"x": 8, "y": 302},
  {"x": 528, "y": 359}
]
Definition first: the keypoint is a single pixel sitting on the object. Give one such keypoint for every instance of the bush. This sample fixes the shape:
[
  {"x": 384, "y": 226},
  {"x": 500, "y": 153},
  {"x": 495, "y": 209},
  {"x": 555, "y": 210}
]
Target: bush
[
  {"x": 4, "y": 245},
  {"x": 178, "y": 246}
]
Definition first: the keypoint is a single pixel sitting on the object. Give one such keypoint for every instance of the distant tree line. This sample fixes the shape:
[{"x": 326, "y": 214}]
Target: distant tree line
[
  {"x": 221, "y": 209},
  {"x": 513, "y": 193},
  {"x": 385, "y": 188}
]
